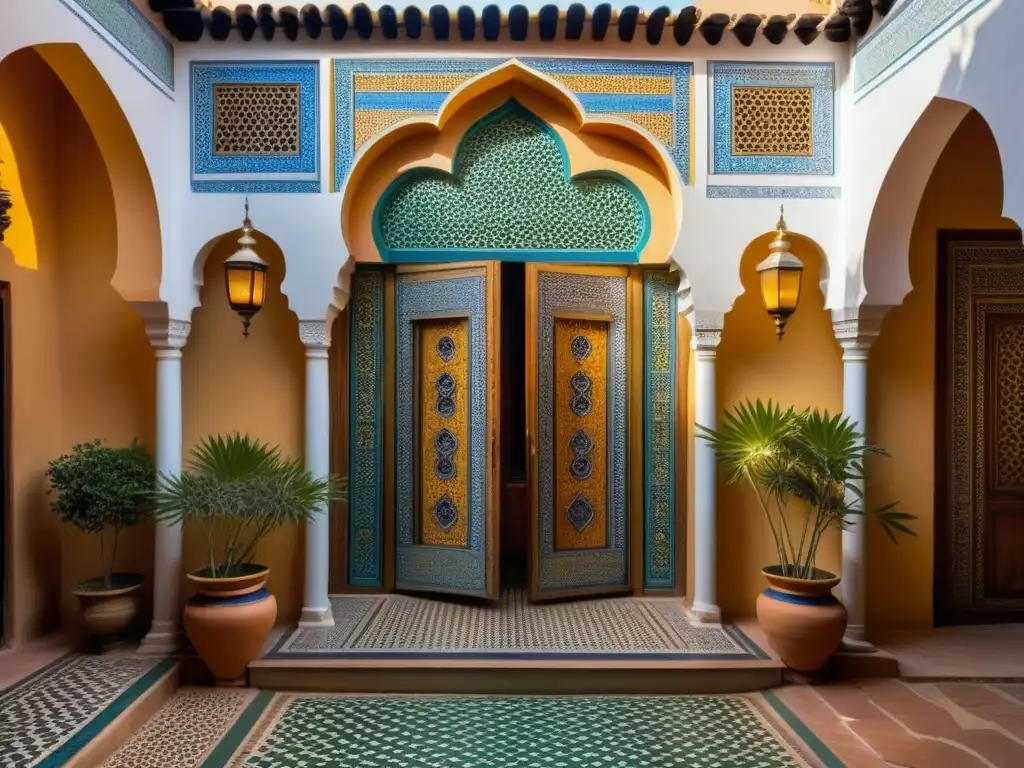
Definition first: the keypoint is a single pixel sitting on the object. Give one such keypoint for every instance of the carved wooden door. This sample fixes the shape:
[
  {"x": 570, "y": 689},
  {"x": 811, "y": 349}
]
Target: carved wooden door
[
  {"x": 446, "y": 425},
  {"x": 578, "y": 364}
]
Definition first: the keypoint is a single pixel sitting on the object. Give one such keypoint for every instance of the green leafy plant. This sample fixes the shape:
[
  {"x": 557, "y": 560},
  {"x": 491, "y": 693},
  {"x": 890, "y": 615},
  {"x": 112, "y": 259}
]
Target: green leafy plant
[
  {"x": 239, "y": 490},
  {"x": 799, "y": 459},
  {"x": 102, "y": 490}
]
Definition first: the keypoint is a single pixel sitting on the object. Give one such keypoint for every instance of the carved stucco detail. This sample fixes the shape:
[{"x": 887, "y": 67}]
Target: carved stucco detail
[
  {"x": 313, "y": 333},
  {"x": 168, "y": 334}
]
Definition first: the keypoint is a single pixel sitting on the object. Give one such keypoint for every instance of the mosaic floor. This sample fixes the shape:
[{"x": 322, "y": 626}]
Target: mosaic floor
[
  {"x": 399, "y": 626},
  {"x": 50, "y": 715},
  {"x": 285, "y": 730}
]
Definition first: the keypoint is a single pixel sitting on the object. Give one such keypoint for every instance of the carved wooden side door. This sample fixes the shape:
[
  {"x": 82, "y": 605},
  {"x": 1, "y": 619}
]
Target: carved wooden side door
[
  {"x": 578, "y": 341},
  {"x": 446, "y": 425}
]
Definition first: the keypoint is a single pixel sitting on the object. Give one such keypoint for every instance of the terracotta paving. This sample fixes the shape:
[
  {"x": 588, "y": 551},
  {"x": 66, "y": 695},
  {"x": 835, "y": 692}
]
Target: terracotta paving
[{"x": 917, "y": 725}]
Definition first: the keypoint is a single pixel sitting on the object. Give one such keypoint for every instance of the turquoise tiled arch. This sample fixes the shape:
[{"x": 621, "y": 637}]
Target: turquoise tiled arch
[{"x": 538, "y": 210}]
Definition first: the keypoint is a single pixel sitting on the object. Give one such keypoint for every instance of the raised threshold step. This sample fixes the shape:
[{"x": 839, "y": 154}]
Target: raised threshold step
[{"x": 478, "y": 676}]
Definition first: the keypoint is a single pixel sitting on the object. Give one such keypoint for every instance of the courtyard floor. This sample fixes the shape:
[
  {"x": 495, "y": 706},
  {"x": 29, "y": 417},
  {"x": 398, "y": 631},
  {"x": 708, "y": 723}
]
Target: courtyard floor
[{"x": 53, "y": 705}]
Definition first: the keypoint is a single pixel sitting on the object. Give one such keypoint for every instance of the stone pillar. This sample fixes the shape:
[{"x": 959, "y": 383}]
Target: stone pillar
[
  {"x": 316, "y": 607},
  {"x": 856, "y": 330},
  {"x": 165, "y": 635},
  {"x": 705, "y": 474}
]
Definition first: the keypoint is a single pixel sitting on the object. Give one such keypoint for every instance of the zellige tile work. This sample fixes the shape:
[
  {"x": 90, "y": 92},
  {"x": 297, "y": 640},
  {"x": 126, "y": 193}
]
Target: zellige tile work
[
  {"x": 49, "y": 716},
  {"x": 371, "y": 95},
  {"x": 526, "y": 732},
  {"x": 389, "y": 626},
  {"x": 185, "y": 729}
]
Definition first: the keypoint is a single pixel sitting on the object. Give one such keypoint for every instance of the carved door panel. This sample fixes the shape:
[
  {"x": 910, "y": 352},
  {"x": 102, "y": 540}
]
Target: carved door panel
[
  {"x": 578, "y": 409},
  {"x": 1004, "y": 454},
  {"x": 446, "y": 427},
  {"x": 979, "y": 434}
]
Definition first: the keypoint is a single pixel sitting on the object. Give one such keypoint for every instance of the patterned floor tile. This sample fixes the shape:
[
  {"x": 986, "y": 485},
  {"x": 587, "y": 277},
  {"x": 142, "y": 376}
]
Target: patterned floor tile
[
  {"x": 66, "y": 700},
  {"x": 382, "y": 624},
  {"x": 184, "y": 730},
  {"x": 515, "y": 732}
]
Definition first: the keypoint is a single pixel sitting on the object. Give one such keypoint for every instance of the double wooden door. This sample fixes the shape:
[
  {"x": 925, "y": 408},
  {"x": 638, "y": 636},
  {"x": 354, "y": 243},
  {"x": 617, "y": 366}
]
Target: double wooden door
[{"x": 584, "y": 428}]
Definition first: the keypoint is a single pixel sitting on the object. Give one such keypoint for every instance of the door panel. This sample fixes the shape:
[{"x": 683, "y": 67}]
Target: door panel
[
  {"x": 1004, "y": 454},
  {"x": 577, "y": 372},
  {"x": 446, "y": 420}
]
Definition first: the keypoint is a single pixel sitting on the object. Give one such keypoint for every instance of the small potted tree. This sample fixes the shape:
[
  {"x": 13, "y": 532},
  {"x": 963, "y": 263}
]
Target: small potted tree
[
  {"x": 237, "y": 490},
  {"x": 102, "y": 490},
  {"x": 803, "y": 467}
]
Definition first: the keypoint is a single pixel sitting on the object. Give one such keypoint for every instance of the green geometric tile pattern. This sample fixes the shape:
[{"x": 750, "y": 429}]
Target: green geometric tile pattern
[
  {"x": 524, "y": 732},
  {"x": 511, "y": 191}
]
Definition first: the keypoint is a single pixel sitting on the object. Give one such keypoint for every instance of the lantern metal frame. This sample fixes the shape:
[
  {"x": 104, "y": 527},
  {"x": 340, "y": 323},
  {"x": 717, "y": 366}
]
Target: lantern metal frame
[
  {"x": 245, "y": 259},
  {"x": 780, "y": 259}
]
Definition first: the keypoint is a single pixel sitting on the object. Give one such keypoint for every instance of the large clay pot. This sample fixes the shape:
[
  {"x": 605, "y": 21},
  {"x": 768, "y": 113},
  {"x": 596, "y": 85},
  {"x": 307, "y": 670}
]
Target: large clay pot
[
  {"x": 229, "y": 619},
  {"x": 803, "y": 621},
  {"x": 109, "y": 611}
]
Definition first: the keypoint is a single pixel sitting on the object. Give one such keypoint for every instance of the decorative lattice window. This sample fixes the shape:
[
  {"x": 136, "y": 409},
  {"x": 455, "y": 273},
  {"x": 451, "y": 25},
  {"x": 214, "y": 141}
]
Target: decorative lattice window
[
  {"x": 511, "y": 192},
  {"x": 256, "y": 119},
  {"x": 772, "y": 121}
]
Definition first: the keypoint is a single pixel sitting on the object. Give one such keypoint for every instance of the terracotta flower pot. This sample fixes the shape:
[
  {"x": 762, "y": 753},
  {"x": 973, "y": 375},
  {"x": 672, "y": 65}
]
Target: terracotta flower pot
[
  {"x": 109, "y": 611},
  {"x": 228, "y": 620},
  {"x": 804, "y": 623}
]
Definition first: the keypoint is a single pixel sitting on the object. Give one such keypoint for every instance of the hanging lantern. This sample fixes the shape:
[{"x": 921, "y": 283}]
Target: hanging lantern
[
  {"x": 5, "y": 206},
  {"x": 245, "y": 275},
  {"x": 780, "y": 277}
]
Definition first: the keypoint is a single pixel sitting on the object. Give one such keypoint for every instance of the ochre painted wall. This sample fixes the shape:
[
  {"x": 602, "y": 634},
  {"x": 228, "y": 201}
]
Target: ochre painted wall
[
  {"x": 82, "y": 366},
  {"x": 253, "y": 385},
  {"x": 964, "y": 192},
  {"x": 804, "y": 369}
]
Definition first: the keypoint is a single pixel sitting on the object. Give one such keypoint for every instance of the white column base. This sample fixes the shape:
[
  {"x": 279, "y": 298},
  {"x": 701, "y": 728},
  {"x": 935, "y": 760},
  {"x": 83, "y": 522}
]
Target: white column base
[
  {"x": 163, "y": 638},
  {"x": 854, "y": 641},
  {"x": 316, "y": 618},
  {"x": 707, "y": 614}
]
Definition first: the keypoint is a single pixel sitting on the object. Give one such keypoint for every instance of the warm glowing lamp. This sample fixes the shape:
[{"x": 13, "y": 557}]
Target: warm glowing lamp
[
  {"x": 780, "y": 278},
  {"x": 245, "y": 275}
]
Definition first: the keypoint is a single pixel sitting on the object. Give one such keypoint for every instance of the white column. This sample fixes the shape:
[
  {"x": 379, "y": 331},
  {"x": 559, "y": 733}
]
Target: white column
[
  {"x": 855, "y": 337},
  {"x": 705, "y": 478},
  {"x": 316, "y": 607},
  {"x": 165, "y": 634}
]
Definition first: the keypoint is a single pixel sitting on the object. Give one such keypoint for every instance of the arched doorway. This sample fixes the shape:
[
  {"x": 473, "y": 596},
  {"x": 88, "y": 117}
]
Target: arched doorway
[{"x": 511, "y": 356}]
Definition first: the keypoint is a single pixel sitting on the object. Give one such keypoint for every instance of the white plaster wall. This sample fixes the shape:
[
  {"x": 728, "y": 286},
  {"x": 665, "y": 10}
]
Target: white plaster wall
[
  {"x": 714, "y": 234},
  {"x": 149, "y": 110},
  {"x": 975, "y": 64}
]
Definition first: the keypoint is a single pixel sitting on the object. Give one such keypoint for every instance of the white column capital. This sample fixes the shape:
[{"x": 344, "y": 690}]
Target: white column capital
[
  {"x": 704, "y": 342},
  {"x": 168, "y": 336},
  {"x": 856, "y": 329},
  {"x": 316, "y": 336}
]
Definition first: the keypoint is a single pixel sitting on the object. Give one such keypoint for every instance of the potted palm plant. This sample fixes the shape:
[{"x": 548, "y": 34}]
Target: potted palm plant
[
  {"x": 803, "y": 467},
  {"x": 237, "y": 490},
  {"x": 102, "y": 490}
]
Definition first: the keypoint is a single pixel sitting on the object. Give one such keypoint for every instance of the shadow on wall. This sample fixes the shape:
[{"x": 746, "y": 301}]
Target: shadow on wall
[
  {"x": 82, "y": 366},
  {"x": 253, "y": 385},
  {"x": 804, "y": 369}
]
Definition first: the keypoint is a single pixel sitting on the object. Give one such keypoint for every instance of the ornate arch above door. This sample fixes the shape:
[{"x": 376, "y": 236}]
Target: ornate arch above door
[{"x": 514, "y": 172}]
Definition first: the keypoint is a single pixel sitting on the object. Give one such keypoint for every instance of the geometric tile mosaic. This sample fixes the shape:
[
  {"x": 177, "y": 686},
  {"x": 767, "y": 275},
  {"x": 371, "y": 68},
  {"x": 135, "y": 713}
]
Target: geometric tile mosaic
[
  {"x": 772, "y": 118},
  {"x": 909, "y": 30},
  {"x": 184, "y": 730},
  {"x": 127, "y": 30},
  {"x": 372, "y": 94},
  {"x": 255, "y": 126},
  {"x": 52, "y": 713},
  {"x": 521, "y": 731},
  {"x": 382, "y": 625}
]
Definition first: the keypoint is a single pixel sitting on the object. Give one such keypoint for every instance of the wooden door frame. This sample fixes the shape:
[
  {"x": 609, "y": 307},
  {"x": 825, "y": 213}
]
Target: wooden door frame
[
  {"x": 943, "y": 613},
  {"x": 6, "y": 493}
]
